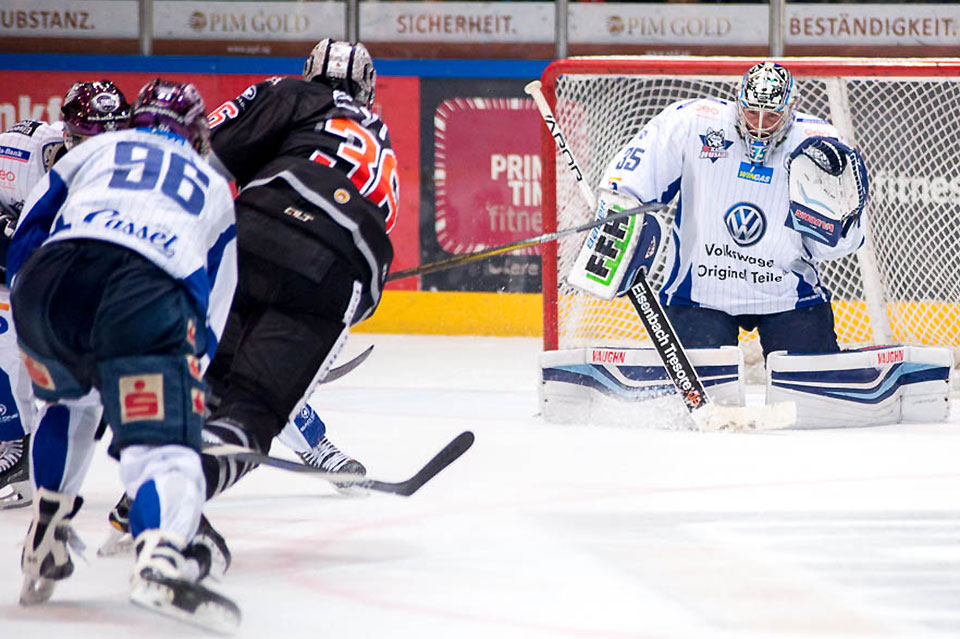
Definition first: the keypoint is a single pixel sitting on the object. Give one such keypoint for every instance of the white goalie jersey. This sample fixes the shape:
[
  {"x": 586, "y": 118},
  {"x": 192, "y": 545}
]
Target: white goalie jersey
[{"x": 732, "y": 247}]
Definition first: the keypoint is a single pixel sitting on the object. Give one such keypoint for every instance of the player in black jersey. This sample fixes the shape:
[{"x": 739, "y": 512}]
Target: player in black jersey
[{"x": 318, "y": 194}]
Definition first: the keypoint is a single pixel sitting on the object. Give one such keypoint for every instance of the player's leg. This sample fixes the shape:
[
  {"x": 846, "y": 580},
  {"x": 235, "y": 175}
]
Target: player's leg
[
  {"x": 16, "y": 415},
  {"x": 120, "y": 540},
  {"x": 698, "y": 327},
  {"x": 283, "y": 354},
  {"x": 803, "y": 330},
  {"x": 863, "y": 387},
  {"x": 306, "y": 436},
  {"x": 145, "y": 340},
  {"x": 63, "y": 438}
]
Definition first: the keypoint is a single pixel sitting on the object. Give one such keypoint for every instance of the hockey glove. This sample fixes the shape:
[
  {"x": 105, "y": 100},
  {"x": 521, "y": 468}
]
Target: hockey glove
[
  {"x": 613, "y": 253},
  {"x": 828, "y": 189}
]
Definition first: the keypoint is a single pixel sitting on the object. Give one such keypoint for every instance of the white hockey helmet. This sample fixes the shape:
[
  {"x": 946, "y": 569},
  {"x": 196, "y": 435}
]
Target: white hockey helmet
[
  {"x": 344, "y": 66},
  {"x": 765, "y": 105}
]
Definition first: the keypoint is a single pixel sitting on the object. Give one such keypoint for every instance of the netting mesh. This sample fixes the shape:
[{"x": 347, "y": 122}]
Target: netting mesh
[{"x": 907, "y": 130}]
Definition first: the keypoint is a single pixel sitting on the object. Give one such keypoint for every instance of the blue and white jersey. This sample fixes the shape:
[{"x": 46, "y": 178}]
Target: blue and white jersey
[
  {"x": 150, "y": 192},
  {"x": 733, "y": 248},
  {"x": 27, "y": 151}
]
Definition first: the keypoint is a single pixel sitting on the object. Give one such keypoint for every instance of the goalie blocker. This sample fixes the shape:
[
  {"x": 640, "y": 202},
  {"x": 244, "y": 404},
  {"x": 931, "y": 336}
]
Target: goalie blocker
[
  {"x": 865, "y": 387},
  {"x": 612, "y": 254},
  {"x": 578, "y": 385}
]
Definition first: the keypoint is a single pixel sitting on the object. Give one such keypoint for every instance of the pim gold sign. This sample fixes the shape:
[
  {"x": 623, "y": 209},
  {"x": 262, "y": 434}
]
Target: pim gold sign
[{"x": 259, "y": 22}]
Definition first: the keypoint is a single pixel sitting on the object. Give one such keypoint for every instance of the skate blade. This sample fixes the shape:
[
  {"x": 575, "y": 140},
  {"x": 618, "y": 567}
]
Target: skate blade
[
  {"x": 187, "y": 602},
  {"x": 348, "y": 489},
  {"x": 117, "y": 543},
  {"x": 14, "y": 498},
  {"x": 36, "y": 590}
]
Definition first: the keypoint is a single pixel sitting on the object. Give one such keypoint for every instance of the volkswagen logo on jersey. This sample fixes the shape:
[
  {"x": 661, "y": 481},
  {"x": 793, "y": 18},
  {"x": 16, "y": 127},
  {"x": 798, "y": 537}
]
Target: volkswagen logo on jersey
[{"x": 746, "y": 223}]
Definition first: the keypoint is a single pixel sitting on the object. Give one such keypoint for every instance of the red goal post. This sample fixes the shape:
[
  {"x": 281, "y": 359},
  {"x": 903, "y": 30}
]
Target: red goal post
[{"x": 904, "y": 115}]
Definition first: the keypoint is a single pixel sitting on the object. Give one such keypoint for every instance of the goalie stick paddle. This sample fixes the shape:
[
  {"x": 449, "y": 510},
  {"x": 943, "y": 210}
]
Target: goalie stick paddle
[
  {"x": 706, "y": 414},
  {"x": 449, "y": 454}
]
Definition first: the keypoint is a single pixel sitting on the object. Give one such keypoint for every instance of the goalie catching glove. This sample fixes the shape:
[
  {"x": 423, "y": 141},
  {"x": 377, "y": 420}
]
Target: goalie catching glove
[
  {"x": 612, "y": 254},
  {"x": 828, "y": 189}
]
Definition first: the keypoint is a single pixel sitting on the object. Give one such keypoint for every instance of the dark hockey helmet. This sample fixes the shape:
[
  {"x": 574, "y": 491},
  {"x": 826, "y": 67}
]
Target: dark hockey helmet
[
  {"x": 174, "y": 107},
  {"x": 765, "y": 105},
  {"x": 344, "y": 66},
  {"x": 90, "y": 108}
]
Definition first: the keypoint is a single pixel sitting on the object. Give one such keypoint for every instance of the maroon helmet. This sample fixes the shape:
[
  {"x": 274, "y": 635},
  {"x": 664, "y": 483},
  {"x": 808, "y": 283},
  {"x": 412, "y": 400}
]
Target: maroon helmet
[
  {"x": 174, "y": 107},
  {"x": 90, "y": 108}
]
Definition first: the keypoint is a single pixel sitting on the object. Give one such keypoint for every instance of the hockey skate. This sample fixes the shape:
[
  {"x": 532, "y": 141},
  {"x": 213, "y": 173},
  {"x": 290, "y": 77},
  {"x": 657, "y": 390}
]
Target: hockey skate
[
  {"x": 208, "y": 547},
  {"x": 16, "y": 491},
  {"x": 328, "y": 458},
  {"x": 165, "y": 581},
  {"x": 120, "y": 541},
  {"x": 210, "y": 550},
  {"x": 46, "y": 557}
]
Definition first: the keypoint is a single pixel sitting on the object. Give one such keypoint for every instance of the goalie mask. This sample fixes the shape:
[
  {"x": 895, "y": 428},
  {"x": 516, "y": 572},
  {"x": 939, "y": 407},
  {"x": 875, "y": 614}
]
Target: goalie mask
[
  {"x": 765, "y": 106},
  {"x": 91, "y": 108},
  {"x": 178, "y": 108},
  {"x": 343, "y": 66}
]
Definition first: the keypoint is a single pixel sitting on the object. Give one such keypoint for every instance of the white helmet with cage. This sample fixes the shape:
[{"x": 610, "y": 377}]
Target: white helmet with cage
[
  {"x": 344, "y": 66},
  {"x": 765, "y": 106}
]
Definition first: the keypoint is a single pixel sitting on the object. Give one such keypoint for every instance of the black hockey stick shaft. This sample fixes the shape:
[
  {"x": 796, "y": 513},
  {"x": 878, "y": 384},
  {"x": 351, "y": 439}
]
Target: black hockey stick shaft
[
  {"x": 668, "y": 346},
  {"x": 642, "y": 296},
  {"x": 449, "y": 454},
  {"x": 458, "y": 260}
]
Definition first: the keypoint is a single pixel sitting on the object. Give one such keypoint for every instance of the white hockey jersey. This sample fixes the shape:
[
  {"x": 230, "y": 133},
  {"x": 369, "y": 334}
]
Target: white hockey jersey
[
  {"x": 150, "y": 192},
  {"x": 27, "y": 151},
  {"x": 732, "y": 248}
]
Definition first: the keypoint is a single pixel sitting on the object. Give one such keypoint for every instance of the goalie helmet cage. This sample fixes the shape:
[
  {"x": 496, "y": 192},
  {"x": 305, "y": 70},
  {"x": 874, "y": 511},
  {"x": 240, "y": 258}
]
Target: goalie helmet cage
[{"x": 904, "y": 115}]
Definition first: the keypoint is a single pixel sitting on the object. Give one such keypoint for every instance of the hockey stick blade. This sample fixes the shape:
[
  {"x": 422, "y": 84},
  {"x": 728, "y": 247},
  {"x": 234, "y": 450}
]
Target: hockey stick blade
[
  {"x": 449, "y": 454},
  {"x": 339, "y": 371}
]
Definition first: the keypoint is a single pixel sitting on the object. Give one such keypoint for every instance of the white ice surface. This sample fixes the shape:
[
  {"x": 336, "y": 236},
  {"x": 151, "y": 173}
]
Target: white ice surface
[{"x": 544, "y": 531}]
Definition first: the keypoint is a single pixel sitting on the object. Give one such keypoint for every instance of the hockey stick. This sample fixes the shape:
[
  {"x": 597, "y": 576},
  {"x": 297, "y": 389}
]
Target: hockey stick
[
  {"x": 464, "y": 258},
  {"x": 339, "y": 371},
  {"x": 449, "y": 454},
  {"x": 706, "y": 414}
]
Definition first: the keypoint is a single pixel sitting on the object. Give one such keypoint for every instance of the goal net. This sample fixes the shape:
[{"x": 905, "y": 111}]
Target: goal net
[{"x": 904, "y": 115}]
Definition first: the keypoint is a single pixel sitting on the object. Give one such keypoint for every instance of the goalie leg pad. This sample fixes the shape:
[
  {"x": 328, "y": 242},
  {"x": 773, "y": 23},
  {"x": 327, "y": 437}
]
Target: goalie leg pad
[
  {"x": 613, "y": 253},
  {"x": 575, "y": 383},
  {"x": 868, "y": 387}
]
